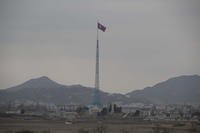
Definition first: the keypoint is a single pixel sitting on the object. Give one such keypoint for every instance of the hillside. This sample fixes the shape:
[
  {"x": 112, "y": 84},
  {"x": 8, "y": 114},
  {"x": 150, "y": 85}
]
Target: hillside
[
  {"x": 183, "y": 89},
  {"x": 45, "y": 90}
]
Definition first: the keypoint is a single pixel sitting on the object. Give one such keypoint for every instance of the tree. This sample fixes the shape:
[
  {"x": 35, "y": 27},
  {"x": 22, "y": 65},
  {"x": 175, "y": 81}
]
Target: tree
[
  {"x": 104, "y": 111},
  {"x": 137, "y": 113},
  {"x": 110, "y": 108}
]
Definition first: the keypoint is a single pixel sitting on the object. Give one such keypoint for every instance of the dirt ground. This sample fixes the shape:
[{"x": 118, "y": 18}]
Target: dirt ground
[{"x": 12, "y": 125}]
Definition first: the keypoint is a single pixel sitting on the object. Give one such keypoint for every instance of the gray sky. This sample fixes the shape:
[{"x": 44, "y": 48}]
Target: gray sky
[{"x": 147, "y": 41}]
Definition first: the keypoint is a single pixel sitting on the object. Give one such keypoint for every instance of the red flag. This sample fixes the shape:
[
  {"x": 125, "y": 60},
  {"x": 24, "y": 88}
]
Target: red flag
[{"x": 101, "y": 27}]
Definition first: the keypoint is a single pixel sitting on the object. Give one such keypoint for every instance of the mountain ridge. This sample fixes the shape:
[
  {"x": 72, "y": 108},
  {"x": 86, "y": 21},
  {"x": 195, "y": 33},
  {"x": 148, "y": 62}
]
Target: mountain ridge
[
  {"x": 179, "y": 89},
  {"x": 41, "y": 82},
  {"x": 172, "y": 90}
]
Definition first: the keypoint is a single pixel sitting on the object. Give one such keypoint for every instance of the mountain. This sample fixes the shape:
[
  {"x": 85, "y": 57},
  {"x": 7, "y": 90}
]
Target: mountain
[
  {"x": 42, "y": 82},
  {"x": 45, "y": 90},
  {"x": 183, "y": 89}
]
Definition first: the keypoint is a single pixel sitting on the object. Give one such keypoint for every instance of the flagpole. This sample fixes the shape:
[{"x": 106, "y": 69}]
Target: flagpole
[
  {"x": 97, "y": 30},
  {"x": 97, "y": 100},
  {"x": 97, "y": 61},
  {"x": 96, "y": 93}
]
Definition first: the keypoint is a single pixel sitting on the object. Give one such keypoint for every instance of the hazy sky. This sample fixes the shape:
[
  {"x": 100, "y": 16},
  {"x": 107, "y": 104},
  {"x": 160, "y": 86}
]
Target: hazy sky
[{"x": 147, "y": 41}]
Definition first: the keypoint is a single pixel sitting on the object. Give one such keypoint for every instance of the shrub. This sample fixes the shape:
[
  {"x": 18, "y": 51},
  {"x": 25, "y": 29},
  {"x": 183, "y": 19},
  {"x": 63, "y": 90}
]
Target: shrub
[
  {"x": 100, "y": 129},
  {"x": 124, "y": 131},
  {"x": 24, "y": 131},
  {"x": 83, "y": 131}
]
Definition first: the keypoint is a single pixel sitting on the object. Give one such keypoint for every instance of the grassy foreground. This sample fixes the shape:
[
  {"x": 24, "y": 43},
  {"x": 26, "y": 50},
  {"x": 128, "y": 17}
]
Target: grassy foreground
[{"x": 10, "y": 125}]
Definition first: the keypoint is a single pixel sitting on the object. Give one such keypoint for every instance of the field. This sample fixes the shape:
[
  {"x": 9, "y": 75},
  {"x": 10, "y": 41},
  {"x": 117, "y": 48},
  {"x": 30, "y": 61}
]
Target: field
[{"x": 38, "y": 125}]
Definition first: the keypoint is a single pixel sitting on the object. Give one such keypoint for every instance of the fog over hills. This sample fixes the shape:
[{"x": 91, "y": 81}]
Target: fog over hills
[{"x": 183, "y": 89}]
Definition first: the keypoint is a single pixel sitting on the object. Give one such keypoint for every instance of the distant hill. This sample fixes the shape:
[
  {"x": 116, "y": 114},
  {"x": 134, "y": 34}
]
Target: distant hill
[
  {"x": 45, "y": 90},
  {"x": 42, "y": 82},
  {"x": 183, "y": 89}
]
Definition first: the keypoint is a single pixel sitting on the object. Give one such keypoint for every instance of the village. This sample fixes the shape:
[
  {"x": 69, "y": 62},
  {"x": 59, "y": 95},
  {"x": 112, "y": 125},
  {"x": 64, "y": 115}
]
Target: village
[{"x": 132, "y": 112}]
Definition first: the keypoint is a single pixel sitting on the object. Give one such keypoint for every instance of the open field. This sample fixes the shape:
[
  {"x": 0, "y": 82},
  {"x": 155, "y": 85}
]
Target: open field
[{"x": 8, "y": 125}]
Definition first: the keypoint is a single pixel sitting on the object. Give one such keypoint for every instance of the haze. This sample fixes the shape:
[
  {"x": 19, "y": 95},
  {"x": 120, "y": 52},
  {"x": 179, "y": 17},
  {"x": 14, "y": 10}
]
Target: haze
[{"x": 147, "y": 41}]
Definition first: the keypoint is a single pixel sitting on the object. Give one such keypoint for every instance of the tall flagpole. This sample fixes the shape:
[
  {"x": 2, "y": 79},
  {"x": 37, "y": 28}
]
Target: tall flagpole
[
  {"x": 97, "y": 62},
  {"x": 97, "y": 30},
  {"x": 97, "y": 95}
]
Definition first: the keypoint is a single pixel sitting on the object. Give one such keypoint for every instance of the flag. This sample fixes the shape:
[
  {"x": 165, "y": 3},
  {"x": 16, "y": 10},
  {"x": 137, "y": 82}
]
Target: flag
[{"x": 101, "y": 27}]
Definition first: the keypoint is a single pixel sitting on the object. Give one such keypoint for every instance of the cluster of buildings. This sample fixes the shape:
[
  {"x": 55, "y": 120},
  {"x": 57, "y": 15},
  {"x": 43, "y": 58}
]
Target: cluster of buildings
[
  {"x": 172, "y": 112},
  {"x": 134, "y": 111}
]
